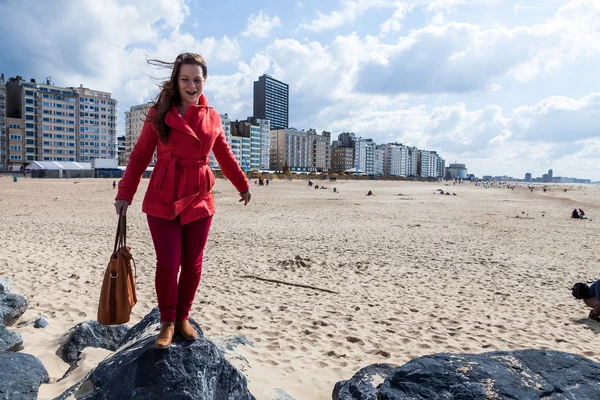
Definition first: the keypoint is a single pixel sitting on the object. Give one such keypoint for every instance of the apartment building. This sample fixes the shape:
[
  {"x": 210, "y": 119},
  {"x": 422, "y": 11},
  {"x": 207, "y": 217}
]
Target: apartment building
[
  {"x": 395, "y": 159},
  {"x": 250, "y": 143},
  {"x": 412, "y": 162},
  {"x": 2, "y": 123},
  {"x": 121, "y": 153},
  {"x": 226, "y": 125},
  {"x": 291, "y": 148},
  {"x": 319, "y": 151},
  {"x": 363, "y": 151},
  {"x": 342, "y": 158},
  {"x": 60, "y": 124},
  {"x": 134, "y": 122},
  {"x": 15, "y": 142},
  {"x": 380, "y": 159},
  {"x": 430, "y": 164}
]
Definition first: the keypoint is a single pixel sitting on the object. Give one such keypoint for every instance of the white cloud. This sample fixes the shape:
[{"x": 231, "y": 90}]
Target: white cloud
[
  {"x": 261, "y": 25},
  {"x": 557, "y": 119},
  {"x": 394, "y": 24},
  {"x": 462, "y": 57},
  {"x": 351, "y": 9}
]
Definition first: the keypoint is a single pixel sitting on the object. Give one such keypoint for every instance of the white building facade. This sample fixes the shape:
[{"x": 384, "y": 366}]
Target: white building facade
[
  {"x": 134, "y": 122},
  {"x": 62, "y": 124}
]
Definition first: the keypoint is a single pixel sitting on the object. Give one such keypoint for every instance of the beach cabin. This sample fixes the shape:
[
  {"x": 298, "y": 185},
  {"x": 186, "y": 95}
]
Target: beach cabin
[{"x": 62, "y": 169}]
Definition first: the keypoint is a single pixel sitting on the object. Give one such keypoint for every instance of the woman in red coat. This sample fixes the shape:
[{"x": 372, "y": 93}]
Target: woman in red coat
[{"x": 179, "y": 204}]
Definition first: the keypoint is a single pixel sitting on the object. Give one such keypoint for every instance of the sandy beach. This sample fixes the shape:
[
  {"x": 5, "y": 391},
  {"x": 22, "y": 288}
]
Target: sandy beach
[{"x": 414, "y": 273}]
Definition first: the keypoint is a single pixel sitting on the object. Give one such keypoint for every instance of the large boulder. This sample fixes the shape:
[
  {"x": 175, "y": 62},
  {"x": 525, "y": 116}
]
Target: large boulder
[
  {"x": 523, "y": 375},
  {"x": 188, "y": 370},
  {"x": 12, "y": 306},
  {"x": 21, "y": 376},
  {"x": 9, "y": 340},
  {"x": 91, "y": 334}
]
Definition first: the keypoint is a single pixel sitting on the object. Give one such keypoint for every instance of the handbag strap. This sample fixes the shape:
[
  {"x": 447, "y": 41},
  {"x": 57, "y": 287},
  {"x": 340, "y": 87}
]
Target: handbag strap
[{"x": 121, "y": 238}]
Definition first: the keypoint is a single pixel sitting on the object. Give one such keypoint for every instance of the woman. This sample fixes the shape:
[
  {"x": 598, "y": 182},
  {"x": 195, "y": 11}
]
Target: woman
[{"x": 183, "y": 129}]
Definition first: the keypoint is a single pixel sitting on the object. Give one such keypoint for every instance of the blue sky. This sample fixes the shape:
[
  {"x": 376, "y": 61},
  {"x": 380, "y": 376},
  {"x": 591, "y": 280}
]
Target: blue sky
[{"x": 507, "y": 87}]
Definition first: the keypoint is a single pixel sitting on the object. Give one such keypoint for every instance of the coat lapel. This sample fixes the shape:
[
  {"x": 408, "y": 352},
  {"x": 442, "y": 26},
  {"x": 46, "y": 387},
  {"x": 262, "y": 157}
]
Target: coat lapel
[{"x": 176, "y": 121}]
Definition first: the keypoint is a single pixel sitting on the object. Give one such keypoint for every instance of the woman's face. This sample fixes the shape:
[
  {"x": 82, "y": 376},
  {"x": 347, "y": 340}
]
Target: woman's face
[{"x": 190, "y": 83}]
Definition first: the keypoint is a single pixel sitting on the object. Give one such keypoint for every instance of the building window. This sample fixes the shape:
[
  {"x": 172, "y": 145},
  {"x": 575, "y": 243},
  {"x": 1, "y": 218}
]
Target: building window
[{"x": 15, "y": 137}]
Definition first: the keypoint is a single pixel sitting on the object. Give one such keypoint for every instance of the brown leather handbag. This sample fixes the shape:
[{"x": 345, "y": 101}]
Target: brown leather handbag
[{"x": 117, "y": 296}]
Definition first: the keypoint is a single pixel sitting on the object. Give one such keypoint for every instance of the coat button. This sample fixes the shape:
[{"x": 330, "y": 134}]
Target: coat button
[
  {"x": 195, "y": 166},
  {"x": 196, "y": 188},
  {"x": 198, "y": 145},
  {"x": 175, "y": 142}
]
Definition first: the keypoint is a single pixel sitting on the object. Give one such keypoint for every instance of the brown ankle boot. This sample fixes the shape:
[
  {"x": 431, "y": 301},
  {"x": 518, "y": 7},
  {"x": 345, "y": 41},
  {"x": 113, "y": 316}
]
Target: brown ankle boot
[
  {"x": 187, "y": 331},
  {"x": 165, "y": 336}
]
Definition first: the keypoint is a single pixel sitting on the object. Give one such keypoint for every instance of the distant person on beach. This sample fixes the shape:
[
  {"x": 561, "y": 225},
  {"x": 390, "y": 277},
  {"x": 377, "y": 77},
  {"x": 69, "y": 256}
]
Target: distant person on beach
[
  {"x": 575, "y": 213},
  {"x": 114, "y": 185},
  {"x": 179, "y": 203},
  {"x": 581, "y": 213},
  {"x": 590, "y": 296}
]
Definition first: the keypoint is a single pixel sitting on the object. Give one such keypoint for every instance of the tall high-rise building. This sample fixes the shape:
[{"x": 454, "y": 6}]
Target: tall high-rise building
[
  {"x": 2, "y": 123},
  {"x": 271, "y": 101},
  {"x": 60, "y": 124},
  {"x": 134, "y": 122}
]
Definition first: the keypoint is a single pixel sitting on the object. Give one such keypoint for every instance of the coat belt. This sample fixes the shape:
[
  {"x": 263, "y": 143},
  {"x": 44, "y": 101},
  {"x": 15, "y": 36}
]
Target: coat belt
[{"x": 177, "y": 162}]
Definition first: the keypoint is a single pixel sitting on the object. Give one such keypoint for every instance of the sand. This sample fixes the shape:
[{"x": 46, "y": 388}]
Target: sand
[{"x": 413, "y": 273}]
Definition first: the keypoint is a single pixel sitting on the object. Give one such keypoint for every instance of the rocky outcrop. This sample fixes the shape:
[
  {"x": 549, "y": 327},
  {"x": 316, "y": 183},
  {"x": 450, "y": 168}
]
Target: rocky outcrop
[
  {"x": 21, "y": 376},
  {"x": 188, "y": 370},
  {"x": 91, "y": 334},
  {"x": 12, "y": 306},
  {"x": 523, "y": 375}
]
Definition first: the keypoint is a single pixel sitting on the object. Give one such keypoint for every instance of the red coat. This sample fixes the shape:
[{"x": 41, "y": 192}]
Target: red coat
[{"x": 181, "y": 183}]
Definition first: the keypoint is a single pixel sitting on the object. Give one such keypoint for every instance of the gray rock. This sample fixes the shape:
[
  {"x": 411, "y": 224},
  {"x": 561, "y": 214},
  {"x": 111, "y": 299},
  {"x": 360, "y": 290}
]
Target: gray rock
[
  {"x": 9, "y": 340},
  {"x": 4, "y": 286},
  {"x": 278, "y": 394},
  {"x": 188, "y": 370},
  {"x": 12, "y": 306},
  {"x": 21, "y": 376},
  {"x": 231, "y": 342},
  {"x": 91, "y": 334},
  {"x": 523, "y": 375},
  {"x": 41, "y": 322}
]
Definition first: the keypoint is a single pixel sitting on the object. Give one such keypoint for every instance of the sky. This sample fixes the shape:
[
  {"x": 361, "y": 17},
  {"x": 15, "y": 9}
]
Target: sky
[{"x": 506, "y": 87}]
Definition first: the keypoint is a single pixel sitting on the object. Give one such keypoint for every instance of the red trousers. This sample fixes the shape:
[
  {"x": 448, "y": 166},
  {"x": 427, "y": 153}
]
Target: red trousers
[{"x": 177, "y": 245}]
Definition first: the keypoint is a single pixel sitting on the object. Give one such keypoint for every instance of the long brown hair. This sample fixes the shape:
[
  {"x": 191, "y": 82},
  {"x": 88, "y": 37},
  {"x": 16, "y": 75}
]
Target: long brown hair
[{"x": 169, "y": 90}]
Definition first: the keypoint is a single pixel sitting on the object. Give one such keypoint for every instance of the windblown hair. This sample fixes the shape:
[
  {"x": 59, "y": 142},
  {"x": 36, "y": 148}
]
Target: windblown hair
[{"x": 169, "y": 90}]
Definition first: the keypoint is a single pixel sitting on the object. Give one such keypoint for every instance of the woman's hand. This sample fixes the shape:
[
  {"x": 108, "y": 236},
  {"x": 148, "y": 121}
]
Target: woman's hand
[
  {"x": 121, "y": 207},
  {"x": 245, "y": 197}
]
